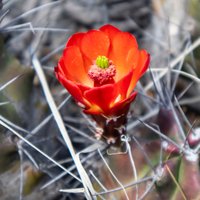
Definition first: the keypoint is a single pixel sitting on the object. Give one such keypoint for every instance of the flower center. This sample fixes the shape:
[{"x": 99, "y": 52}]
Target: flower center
[
  {"x": 102, "y": 62},
  {"x": 102, "y": 71}
]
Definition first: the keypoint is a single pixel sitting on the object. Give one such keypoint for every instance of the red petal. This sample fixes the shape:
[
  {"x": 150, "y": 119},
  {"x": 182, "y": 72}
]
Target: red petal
[
  {"x": 102, "y": 97},
  {"x": 56, "y": 71},
  {"x": 110, "y": 30},
  {"x": 144, "y": 61},
  {"x": 142, "y": 65},
  {"x": 132, "y": 58},
  {"x": 122, "y": 43},
  {"x": 75, "y": 39},
  {"x": 70, "y": 86},
  {"x": 93, "y": 110},
  {"x": 122, "y": 106},
  {"x": 123, "y": 85},
  {"x": 62, "y": 69},
  {"x": 95, "y": 43},
  {"x": 74, "y": 67},
  {"x": 83, "y": 88}
]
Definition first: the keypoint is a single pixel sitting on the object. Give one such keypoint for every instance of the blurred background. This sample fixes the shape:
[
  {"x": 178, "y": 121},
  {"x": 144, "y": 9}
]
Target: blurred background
[{"x": 40, "y": 28}]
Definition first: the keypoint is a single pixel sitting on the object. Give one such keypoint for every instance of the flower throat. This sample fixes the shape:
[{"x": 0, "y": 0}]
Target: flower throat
[{"x": 102, "y": 71}]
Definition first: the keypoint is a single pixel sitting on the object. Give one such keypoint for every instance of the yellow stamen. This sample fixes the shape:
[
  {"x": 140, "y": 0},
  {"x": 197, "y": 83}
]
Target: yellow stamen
[{"x": 102, "y": 62}]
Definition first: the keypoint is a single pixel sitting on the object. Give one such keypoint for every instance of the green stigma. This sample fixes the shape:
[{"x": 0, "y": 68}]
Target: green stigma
[{"x": 102, "y": 62}]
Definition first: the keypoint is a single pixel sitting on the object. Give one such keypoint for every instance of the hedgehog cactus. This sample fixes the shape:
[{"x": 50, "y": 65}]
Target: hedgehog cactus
[
  {"x": 110, "y": 64},
  {"x": 130, "y": 138},
  {"x": 175, "y": 177}
]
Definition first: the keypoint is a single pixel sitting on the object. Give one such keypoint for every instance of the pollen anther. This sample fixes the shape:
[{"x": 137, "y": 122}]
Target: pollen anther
[{"x": 102, "y": 62}]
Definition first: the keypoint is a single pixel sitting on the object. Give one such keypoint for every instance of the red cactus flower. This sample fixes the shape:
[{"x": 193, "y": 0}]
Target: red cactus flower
[{"x": 100, "y": 69}]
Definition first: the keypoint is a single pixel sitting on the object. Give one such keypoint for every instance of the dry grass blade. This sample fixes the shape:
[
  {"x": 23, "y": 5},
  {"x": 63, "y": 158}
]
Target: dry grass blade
[
  {"x": 47, "y": 119},
  {"x": 58, "y": 177},
  {"x": 143, "y": 118},
  {"x": 163, "y": 136},
  {"x": 144, "y": 153},
  {"x": 81, "y": 133},
  {"x": 142, "y": 180},
  {"x": 9, "y": 82},
  {"x": 113, "y": 175},
  {"x": 176, "y": 61},
  {"x": 128, "y": 147},
  {"x": 192, "y": 77},
  {"x": 76, "y": 190},
  {"x": 33, "y": 29},
  {"x": 177, "y": 184},
  {"x": 4, "y": 103},
  {"x": 84, "y": 177},
  {"x": 31, "y": 12},
  {"x": 150, "y": 186},
  {"x": 37, "y": 149},
  {"x": 16, "y": 127}
]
